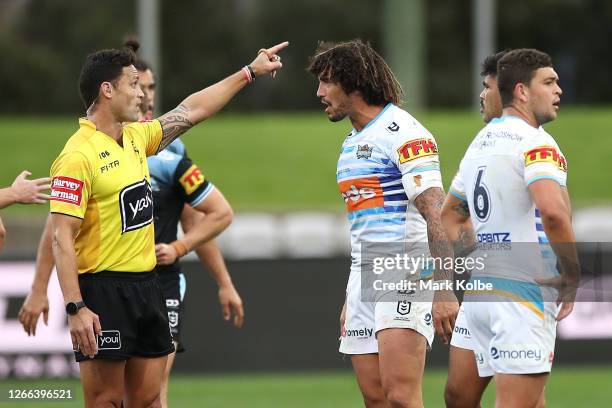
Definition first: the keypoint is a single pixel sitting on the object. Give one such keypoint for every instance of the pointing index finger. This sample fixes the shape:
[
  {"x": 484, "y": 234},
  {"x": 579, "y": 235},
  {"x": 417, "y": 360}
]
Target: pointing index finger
[{"x": 273, "y": 50}]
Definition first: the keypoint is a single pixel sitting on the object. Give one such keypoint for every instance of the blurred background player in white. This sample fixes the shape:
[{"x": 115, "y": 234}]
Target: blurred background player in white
[
  {"x": 173, "y": 284},
  {"x": 513, "y": 180},
  {"x": 464, "y": 387},
  {"x": 23, "y": 191},
  {"x": 389, "y": 176}
]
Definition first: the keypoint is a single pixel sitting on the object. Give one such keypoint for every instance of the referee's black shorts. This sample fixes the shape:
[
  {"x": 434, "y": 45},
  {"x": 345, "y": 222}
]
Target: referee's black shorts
[{"x": 132, "y": 312}]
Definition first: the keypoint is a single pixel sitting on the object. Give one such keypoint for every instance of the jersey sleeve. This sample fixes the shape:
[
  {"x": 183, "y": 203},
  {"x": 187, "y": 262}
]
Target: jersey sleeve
[
  {"x": 71, "y": 185},
  {"x": 151, "y": 134},
  {"x": 191, "y": 183},
  {"x": 457, "y": 187},
  {"x": 416, "y": 156},
  {"x": 542, "y": 159}
]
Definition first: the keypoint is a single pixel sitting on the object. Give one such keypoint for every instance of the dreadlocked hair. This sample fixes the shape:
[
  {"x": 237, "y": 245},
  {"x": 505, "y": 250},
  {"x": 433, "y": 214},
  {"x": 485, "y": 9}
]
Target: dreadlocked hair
[{"x": 355, "y": 66}]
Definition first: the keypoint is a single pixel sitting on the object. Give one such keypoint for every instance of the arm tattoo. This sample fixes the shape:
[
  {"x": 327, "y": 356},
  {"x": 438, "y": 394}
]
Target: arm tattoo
[
  {"x": 429, "y": 204},
  {"x": 466, "y": 241},
  {"x": 462, "y": 208},
  {"x": 174, "y": 123}
]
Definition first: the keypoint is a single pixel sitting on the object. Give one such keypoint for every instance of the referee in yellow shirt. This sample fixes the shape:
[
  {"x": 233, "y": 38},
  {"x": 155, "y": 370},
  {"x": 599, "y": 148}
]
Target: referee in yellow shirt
[{"x": 101, "y": 215}]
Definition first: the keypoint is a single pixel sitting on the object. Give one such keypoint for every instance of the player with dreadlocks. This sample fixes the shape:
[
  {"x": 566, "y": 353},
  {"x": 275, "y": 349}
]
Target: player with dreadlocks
[{"x": 389, "y": 176}]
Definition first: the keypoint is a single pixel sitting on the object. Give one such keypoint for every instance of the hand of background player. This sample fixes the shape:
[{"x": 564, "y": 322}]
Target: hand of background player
[
  {"x": 567, "y": 293},
  {"x": 165, "y": 253},
  {"x": 83, "y": 329},
  {"x": 231, "y": 304},
  {"x": 35, "y": 304},
  {"x": 267, "y": 60},
  {"x": 444, "y": 310},
  {"x": 30, "y": 191},
  {"x": 342, "y": 319}
]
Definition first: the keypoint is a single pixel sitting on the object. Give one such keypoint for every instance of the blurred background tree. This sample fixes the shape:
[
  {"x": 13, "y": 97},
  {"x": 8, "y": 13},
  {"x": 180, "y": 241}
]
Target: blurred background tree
[{"x": 43, "y": 44}]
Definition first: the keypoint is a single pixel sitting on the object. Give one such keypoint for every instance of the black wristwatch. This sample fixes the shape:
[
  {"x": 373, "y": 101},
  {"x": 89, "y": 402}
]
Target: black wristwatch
[{"x": 72, "y": 308}]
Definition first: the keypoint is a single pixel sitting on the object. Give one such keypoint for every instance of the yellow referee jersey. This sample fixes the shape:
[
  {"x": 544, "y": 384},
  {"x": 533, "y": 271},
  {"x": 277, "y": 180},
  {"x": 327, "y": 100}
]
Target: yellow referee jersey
[{"x": 108, "y": 187}]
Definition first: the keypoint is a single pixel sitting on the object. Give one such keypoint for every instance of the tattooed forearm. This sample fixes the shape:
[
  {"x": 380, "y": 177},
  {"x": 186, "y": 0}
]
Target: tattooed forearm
[
  {"x": 429, "y": 204},
  {"x": 174, "y": 123},
  {"x": 462, "y": 208},
  {"x": 466, "y": 241}
]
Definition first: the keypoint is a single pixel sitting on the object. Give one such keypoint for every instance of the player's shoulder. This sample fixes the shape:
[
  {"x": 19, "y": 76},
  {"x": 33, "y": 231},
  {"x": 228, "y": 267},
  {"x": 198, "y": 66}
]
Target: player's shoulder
[
  {"x": 142, "y": 129},
  {"x": 399, "y": 122},
  {"x": 399, "y": 127},
  {"x": 177, "y": 146},
  {"x": 79, "y": 146},
  {"x": 164, "y": 164}
]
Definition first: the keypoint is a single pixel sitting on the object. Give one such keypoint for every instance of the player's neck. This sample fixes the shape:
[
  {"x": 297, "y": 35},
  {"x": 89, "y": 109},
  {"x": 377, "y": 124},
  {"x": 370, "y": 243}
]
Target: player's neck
[
  {"x": 522, "y": 113},
  {"x": 364, "y": 114},
  {"x": 106, "y": 123}
]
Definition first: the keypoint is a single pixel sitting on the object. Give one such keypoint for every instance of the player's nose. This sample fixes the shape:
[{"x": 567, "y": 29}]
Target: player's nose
[{"x": 320, "y": 90}]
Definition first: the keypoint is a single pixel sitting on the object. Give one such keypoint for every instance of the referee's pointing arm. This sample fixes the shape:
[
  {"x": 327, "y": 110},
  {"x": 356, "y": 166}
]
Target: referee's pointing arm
[{"x": 205, "y": 103}]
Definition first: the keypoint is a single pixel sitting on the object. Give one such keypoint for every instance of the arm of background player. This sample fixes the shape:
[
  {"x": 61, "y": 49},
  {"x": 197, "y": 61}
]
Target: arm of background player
[
  {"x": 2, "y": 235},
  {"x": 218, "y": 217},
  {"x": 553, "y": 202},
  {"x": 25, "y": 191},
  {"x": 37, "y": 301},
  {"x": 85, "y": 324},
  {"x": 445, "y": 306},
  {"x": 205, "y": 103},
  {"x": 458, "y": 225},
  {"x": 210, "y": 256}
]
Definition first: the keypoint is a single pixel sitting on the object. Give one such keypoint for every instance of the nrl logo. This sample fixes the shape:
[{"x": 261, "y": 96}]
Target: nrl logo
[{"x": 364, "y": 152}]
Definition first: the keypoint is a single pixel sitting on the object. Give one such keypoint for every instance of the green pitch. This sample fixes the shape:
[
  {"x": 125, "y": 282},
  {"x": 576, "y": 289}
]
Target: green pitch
[
  {"x": 568, "y": 387},
  {"x": 279, "y": 162}
]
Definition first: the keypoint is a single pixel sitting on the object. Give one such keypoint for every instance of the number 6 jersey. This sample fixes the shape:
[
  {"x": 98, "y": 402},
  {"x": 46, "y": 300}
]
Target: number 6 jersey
[{"x": 502, "y": 161}]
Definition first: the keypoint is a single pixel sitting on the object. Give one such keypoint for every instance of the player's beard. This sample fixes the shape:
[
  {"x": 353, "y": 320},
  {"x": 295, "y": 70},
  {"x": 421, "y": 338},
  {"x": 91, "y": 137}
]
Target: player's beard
[{"x": 339, "y": 114}]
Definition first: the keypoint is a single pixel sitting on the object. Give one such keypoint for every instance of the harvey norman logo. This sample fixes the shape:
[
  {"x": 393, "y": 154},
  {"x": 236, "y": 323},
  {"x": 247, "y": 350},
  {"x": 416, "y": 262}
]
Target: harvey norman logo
[{"x": 67, "y": 190}]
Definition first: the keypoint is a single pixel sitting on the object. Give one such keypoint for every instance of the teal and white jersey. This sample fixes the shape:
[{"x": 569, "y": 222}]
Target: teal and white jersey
[
  {"x": 381, "y": 171},
  {"x": 507, "y": 156}
]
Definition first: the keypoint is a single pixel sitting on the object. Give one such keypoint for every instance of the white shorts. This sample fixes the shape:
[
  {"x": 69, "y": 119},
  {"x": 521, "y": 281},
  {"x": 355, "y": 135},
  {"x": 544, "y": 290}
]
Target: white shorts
[
  {"x": 365, "y": 319},
  {"x": 461, "y": 334},
  {"x": 511, "y": 337}
]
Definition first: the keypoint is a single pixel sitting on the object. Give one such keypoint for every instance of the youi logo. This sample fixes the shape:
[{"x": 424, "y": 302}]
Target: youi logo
[{"x": 109, "y": 340}]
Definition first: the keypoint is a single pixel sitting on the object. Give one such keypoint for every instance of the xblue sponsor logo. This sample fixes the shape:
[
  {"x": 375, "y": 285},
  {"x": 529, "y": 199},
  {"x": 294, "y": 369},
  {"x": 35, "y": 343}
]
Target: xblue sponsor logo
[{"x": 494, "y": 237}]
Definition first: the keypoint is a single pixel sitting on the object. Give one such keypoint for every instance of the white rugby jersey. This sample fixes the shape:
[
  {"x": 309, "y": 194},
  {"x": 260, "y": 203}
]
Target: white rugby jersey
[
  {"x": 381, "y": 171},
  {"x": 507, "y": 156}
]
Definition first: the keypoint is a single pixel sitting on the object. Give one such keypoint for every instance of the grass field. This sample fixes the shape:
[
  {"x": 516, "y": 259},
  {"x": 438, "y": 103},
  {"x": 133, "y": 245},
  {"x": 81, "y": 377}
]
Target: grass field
[
  {"x": 278, "y": 162},
  {"x": 568, "y": 387}
]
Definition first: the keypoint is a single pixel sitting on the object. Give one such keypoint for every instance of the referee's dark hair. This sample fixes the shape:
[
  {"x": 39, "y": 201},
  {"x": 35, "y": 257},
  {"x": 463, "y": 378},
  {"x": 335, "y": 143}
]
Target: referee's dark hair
[
  {"x": 518, "y": 67},
  {"x": 489, "y": 65},
  {"x": 99, "y": 67},
  {"x": 355, "y": 66}
]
